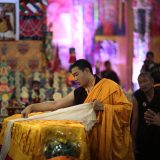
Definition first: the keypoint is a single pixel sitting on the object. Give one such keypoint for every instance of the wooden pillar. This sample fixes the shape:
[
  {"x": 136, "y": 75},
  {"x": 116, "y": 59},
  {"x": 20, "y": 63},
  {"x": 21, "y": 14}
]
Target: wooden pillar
[{"x": 129, "y": 42}]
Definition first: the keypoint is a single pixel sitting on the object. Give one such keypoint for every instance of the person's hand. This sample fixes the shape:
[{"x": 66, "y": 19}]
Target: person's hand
[
  {"x": 26, "y": 111},
  {"x": 97, "y": 105},
  {"x": 152, "y": 118}
]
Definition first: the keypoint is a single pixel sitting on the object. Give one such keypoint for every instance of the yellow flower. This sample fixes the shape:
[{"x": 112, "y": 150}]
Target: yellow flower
[{"x": 5, "y": 97}]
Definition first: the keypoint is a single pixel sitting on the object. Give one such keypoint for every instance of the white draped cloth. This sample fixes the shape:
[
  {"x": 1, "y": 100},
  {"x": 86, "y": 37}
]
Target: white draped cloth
[{"x": 83, "y": 113}]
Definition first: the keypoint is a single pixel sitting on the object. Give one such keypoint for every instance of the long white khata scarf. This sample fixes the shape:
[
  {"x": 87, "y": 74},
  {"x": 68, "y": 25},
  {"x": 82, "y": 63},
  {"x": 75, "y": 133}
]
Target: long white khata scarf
[{"x": 83, "y": 113}]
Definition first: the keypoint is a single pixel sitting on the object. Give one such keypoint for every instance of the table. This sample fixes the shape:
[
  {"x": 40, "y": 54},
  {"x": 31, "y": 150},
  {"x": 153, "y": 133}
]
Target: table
[{"x": 29, "y": 137}]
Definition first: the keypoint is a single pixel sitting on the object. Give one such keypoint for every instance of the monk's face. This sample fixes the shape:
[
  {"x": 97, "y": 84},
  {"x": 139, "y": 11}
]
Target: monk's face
[
  {"x": 81, "y": 77},
  {"x": 145, "y": 83}
]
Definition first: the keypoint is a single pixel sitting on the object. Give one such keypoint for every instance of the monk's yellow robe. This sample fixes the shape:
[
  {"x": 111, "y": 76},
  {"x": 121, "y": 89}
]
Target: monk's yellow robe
[{"x": 110, "y": 139}]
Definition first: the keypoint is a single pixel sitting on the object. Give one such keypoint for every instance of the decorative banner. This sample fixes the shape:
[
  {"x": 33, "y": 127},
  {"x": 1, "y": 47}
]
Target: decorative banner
[
  {"x": 141, "y": 21},
  {"x": 20, "y": 55},
  {"x": 88, "y": 29},
  {"x": 32, "y": 18},
  {"x": 31, "y": 27},
  {"x": 141, "y": 36},
  {"x": 155, "y": 19},
  {"x": 32, "y": 7},
  {"x": 33, "y": 63},
  {"x": 112, "y": 17},
  {"x": 12, "y": 62},
  {"x": 23, "y": 47}
]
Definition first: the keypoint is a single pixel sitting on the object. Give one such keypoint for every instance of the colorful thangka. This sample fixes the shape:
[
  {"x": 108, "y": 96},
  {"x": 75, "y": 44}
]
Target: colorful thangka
[{"x": 32, "y": 18}]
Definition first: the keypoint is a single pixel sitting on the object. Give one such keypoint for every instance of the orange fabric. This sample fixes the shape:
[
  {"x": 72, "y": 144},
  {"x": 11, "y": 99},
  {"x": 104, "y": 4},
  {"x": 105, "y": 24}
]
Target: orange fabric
[{"x": 110, "y": 139}]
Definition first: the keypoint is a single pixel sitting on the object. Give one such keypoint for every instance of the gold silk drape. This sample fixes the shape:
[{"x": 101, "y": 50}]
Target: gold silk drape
[{"x": 29, "y": 137}]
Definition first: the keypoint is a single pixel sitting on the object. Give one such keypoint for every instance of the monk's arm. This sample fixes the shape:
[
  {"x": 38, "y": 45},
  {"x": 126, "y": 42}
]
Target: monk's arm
[{"x": 50, "y": 105}]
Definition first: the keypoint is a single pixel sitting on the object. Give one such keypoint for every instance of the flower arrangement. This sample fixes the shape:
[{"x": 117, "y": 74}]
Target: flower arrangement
[{"x": 62, "y": 148}]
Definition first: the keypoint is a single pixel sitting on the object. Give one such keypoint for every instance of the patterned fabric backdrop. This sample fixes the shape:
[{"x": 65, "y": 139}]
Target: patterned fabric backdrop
[
  {"x": 155, "y": 18},
  {"x": 112, "y": 17},
  {"x": 32, "y": 17},
  {"x": 22, "y": 55},
  {"x": 31, "y": 27}
]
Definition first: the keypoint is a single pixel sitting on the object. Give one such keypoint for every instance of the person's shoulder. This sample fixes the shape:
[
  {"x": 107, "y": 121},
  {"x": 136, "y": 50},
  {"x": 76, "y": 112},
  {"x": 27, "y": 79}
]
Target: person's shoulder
[
  {"x": 139, "y": 96},
  {"x": 108, "y": 86},
  {"x": 97, "y": 78},
  {"x": 138, "y": 93},
  {"x": 110, "y": 83},
  {"x": 79, "y": 89},
  {"x": 156, "y": 65},
  {"x": 157, "y": 89},
  {"x": 114, "y": 72},
  {"x": 103, "y": 72}
]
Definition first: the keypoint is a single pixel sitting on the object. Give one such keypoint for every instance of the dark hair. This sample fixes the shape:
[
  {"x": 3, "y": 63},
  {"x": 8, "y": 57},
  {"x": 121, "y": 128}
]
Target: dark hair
[
  {"x": 107, "y": 62},
  {"x": 82, "y": 64},
  {"x": 146, "y": 74},
  {"x": 71, "y": 50},
  {"x": 150, "y": 53}
]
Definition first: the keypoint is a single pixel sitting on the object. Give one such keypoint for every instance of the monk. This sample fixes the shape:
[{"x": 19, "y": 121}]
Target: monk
[{"x": 110, "y": 138}]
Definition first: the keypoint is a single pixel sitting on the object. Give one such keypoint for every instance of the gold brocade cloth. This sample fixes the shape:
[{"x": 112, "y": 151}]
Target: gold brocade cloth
[{"x": 29, "y": 137}]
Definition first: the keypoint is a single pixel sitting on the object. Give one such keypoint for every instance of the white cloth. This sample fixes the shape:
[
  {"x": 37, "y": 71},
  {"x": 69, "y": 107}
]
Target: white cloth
[{"x": 83, "y": 113}]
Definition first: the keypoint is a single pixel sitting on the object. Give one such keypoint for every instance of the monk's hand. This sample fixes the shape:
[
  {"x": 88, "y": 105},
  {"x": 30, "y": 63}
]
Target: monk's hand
[
  {"x": 152, "y": 118},
  {"x": 26, "y": 111},
  {"x": 97, "y": 105}
]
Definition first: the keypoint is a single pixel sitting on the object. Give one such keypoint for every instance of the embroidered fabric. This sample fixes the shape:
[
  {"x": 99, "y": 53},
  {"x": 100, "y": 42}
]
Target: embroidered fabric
[{"x": 83, "y": 113}]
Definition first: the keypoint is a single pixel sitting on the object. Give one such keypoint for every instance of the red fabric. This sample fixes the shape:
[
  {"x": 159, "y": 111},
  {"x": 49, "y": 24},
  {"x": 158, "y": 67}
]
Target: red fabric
[
  {"x": 72, "y": 58},
  {"x": 112, "y": 17},
  {"x": 31, "y": 27},
  {"x": 155, "y": 20},
  {"x": 56, "y": 62}
]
